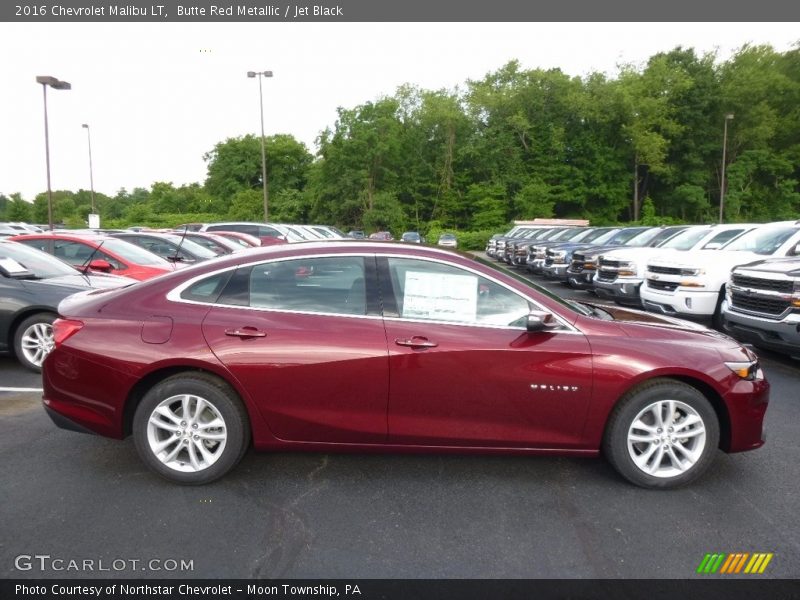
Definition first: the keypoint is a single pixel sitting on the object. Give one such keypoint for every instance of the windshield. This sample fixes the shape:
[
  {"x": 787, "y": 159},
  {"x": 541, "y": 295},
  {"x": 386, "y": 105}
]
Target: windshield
[
  {"x": 42, "y": 265},
  {"x": 606, "y": 235},
  {"x": 687, "y": 238},
  {"x": 190, "y": 246},
  {"x": 764, "y": 240},
  {"x": 623, "y": 236},
  {"x": 133, "y": 254},
  {"x": 566, "y": 234},
  {"x": 644, "y": 238}
]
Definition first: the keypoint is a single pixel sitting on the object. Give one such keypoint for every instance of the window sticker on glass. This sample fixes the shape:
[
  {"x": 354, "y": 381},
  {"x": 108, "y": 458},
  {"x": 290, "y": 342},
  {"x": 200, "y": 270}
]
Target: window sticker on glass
[
  {"x": 439, "y": 296},
  {"x": 11, "y": 266}
]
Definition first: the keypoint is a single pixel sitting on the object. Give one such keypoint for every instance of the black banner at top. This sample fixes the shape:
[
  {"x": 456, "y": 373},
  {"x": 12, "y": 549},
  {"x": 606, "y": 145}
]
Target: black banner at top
[{"x": 274, "y": 11}]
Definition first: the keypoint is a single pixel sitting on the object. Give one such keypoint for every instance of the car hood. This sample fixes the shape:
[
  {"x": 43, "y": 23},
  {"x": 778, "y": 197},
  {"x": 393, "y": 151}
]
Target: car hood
[
  {"x": 645, "y": 325},
  {"x": 83, "y": 282},
  {"x": 708, "y": 258},
  {"x": 782, "y": 266},
  {"x": 595, "y": 248},
  {"x": 637, "y": 254}
]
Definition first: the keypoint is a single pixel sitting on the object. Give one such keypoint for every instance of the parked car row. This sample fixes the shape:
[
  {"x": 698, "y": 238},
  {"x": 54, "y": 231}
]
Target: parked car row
[
  {"x": 742, "y": 277},
  {"x": 39, "y": 269},
  {"x": 17, "y": 228}
]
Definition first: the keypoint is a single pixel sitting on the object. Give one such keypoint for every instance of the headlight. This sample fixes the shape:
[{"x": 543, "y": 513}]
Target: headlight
[
  {"x": 627, "y": 269},
  {"x": 748, "y": 370},
  {"x": 692, "y": 272}
]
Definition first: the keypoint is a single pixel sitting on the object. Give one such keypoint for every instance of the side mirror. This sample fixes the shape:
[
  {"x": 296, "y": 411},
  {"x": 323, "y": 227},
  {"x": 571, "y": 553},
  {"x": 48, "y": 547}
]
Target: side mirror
[
  {"x": 712, "y": 246},
  {"x": 539, "y": 320},
  {"x": 98, "y": 264}
]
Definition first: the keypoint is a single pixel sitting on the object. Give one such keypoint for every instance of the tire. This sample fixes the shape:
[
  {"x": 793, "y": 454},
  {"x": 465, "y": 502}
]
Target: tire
[
  {"x": 672, "y": 452},
  {"x": 717, "y": 320},
  {"x": 179, "y": 442},
  {"x": 33, "y": 340}
]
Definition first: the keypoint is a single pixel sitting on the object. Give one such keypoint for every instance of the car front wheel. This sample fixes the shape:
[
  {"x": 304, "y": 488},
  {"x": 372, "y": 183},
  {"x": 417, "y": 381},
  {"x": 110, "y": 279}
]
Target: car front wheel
[
  {"x": 191, "y": 428},
  {"x": 33, "y": 340},
  {"x": 662, "y": 435}
]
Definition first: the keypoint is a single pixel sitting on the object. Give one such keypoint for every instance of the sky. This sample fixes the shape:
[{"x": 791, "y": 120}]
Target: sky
[{"x": 158, "y": 96}]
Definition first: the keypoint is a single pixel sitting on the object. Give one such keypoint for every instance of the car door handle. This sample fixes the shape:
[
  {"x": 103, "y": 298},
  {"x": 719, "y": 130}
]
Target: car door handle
[
  {"x": 416, "y": 342},
  {"x": 245, "y": 332}
]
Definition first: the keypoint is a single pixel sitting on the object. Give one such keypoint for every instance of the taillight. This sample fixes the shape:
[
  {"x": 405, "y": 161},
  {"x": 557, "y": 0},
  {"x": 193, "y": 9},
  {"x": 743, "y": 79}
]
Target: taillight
[{"x": 63, "y": 329}]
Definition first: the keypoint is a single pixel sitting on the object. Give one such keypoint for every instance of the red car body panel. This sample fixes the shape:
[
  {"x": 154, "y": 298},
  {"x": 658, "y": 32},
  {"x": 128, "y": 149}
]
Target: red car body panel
[
  {"x": 343, "y": 387},
  {"x": 321, "y": 381},
  {"x": 477, "y": 387}
]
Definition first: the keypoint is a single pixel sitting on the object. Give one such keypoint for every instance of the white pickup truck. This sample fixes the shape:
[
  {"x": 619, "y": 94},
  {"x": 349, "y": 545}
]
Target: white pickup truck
[
  {"x": 762, "y": 305},
  {"x": 621, "y": 272},
  {"x": 692, "y": 285}
]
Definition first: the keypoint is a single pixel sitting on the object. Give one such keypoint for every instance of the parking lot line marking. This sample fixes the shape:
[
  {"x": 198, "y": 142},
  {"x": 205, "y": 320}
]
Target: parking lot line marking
[{"x": 20, "y": 389}]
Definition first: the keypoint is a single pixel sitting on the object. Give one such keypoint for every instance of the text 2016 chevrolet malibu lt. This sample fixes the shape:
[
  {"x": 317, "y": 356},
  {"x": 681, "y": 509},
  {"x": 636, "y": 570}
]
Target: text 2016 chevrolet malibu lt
[{"x": 375, "y": 346}]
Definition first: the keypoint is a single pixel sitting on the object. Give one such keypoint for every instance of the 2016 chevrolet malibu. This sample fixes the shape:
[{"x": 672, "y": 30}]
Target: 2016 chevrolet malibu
[{"x": 373, "y": 346}]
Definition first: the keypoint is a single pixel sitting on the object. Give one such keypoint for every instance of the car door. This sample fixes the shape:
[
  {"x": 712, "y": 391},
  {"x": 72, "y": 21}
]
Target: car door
[
  {"x": 305, "y": 337},
  {"x": 464, "y": 370}
]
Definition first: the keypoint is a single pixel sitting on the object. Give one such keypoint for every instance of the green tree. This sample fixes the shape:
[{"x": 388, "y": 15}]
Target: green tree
[{"x": 18, "y": 209}]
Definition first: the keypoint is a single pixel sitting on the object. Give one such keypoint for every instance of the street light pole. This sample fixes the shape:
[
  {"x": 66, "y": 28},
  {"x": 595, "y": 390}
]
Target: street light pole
[
  {"x": 54, "y": 83},
  {"x": 91, "y": 174},
  {"x": 728, "y": 117},
  {"x": 261, "y": 74}
]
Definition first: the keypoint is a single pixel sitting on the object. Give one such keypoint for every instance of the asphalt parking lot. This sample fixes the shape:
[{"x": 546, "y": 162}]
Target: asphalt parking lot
[{"x": 79, "y": 497}]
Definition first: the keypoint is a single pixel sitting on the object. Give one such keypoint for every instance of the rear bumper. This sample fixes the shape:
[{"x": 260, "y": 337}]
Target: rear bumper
[{"x": 63, "y": 422}]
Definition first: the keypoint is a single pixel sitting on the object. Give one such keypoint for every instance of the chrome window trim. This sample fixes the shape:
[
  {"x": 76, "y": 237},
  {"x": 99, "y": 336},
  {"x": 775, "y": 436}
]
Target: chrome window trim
[{"x": 174, "y": 295}]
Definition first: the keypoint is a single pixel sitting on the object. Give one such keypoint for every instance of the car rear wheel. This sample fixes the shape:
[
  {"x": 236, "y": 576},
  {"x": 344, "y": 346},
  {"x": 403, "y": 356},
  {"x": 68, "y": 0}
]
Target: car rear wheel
[
  {"x": 191, "y": 428},
  {"x": 33, "y": 340},
  {"x": 662, "y": 435}
]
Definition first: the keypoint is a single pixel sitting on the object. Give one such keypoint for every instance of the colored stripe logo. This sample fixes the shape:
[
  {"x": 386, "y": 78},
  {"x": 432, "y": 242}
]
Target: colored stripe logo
[{"x": 735, "y": 563}]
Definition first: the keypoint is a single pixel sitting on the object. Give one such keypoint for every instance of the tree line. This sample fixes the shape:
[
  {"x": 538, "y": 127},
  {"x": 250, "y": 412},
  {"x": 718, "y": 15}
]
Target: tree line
[{"x": 520, "y": 143}]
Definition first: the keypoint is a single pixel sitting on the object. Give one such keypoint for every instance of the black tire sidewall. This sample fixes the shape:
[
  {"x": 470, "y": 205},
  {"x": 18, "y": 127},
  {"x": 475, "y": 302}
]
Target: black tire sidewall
[
  {"x": 616, "y": 441},
  {"x": 42, "y": 317},
  {"x": 224, "y": 401}
]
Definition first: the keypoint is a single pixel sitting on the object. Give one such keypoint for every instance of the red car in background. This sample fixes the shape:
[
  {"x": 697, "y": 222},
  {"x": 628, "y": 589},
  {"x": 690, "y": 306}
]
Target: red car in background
[
  {"x": 374, "y": 346},
  {"x": 218, "y": 244},
  {"x": 243, "y": 239},
  {"x": 104, "y": 254}
]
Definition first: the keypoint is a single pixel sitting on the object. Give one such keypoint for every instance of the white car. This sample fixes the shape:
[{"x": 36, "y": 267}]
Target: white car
[
  {"x": 621, "y": 272},
  {"x": 692, "y": 285},
  {"x": 448, "y": 240}
]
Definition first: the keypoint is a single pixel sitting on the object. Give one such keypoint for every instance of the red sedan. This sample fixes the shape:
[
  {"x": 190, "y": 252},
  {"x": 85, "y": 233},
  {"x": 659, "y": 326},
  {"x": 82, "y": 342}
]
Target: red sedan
[
  {"x": 372, "y": 346},
  {"x": 99, "y": 253}
]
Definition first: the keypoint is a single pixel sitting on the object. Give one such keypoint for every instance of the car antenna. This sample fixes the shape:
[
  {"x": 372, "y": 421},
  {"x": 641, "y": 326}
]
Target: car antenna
[
  {"x": 84, "y": 268},
  {"x": 178, "y": 248}
]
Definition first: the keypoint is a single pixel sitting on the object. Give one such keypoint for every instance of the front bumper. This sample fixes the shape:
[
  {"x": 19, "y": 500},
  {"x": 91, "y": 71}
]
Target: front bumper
[
  {"x": 536, "y": 265},
  {"x": 747, "y": 404},
  {"x": 580, "y": 281},
  {"x": 781, "y": 336},
  {"x": 681, "y": 303},
  {"x": 622, "y": 290},
  {"x": 555, "y": 271}
]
